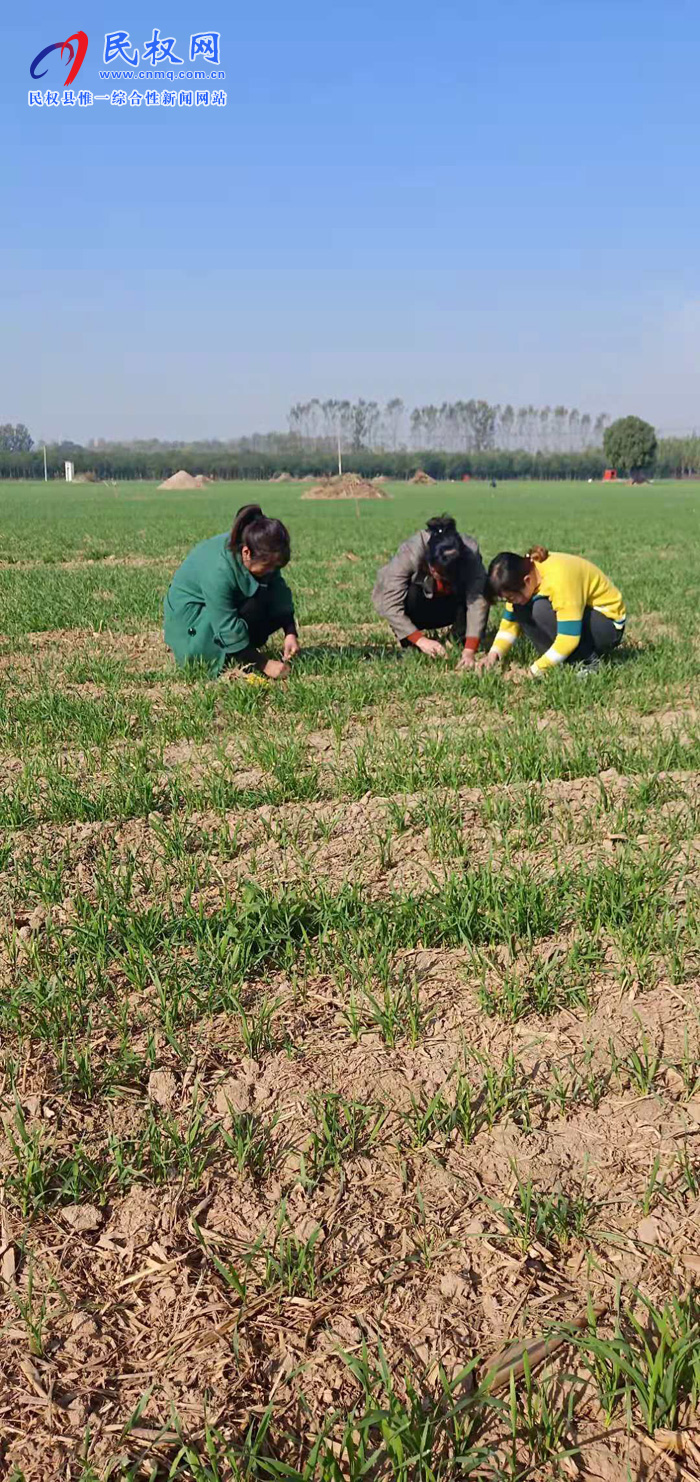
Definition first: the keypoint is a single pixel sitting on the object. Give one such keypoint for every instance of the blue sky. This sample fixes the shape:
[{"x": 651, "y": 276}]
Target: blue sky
[{"x": 432, "y": 199}]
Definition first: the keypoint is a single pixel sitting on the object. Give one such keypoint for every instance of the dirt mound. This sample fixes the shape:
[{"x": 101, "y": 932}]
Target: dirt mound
[
  {"x": 202, "y": 479},
  {"x": 180, "y": 480},
  {"x": 280, "y": 478},
  {"x": 420, "y": 477},
  {"x": 380, "y": 479},
  {"x": 84, "y": 478},
  {"x": 345, "y": 486}
]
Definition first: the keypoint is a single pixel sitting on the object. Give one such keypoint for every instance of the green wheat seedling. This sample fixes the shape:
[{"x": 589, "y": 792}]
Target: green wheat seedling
[
  {"x": 257, "y": 1029},
  {"x": 451, "y": 1111},
  {"x": 342, "y": 1128},
  {"x": 79, "y": 1070},
  {"x": 504, "y": 1091},
  {"x": 250, "y": 1141},
  {"x": 397, "y": 1013},
  {"x": 409, "y": 1432},
  {"x": 541, "y": 1420},
  {"x": 688, "y": 1173},
  {"x": 655, "y": 1189},
  {"x": 289, "y": 1264},
  {"x": 639, "y": 1068},
  {"x": 180, "y": 1151},
  {"x": 689, "y": 1065},
  {"x": 650, "y": 1367},
  {"x": 393, "y": 1009},
  {"x": 213, "y": 1458},
  {"x": 552, "y": 1220},
  {"x": 36, "y": 1309},
  {"x": 41, "y": 1178},
  {"x": 542, "y": 987},
  {"x": 443, "y": 820},
  {"x": 429, "y": 1119}
]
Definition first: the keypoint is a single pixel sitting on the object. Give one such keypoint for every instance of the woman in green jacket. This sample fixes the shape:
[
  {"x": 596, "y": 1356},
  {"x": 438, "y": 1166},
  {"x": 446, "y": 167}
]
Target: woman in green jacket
[{"x": 229, "y": 596}]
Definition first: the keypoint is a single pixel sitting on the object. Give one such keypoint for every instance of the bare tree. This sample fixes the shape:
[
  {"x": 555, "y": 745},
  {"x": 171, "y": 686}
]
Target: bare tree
[
  {"x": 393, "y": 421},
  {"x": 416, "y": 426},
  {"x": 561, "y": 418}
]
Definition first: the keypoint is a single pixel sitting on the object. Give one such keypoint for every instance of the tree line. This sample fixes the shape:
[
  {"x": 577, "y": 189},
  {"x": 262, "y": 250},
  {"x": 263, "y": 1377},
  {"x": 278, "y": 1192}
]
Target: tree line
[
  {"x": 497, "y": 464},
  {"x": 263, "y": 455}
]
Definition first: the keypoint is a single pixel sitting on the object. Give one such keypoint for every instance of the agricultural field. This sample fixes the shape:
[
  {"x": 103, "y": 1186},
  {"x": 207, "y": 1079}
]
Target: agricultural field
[{"x": 349, "y": 1027}]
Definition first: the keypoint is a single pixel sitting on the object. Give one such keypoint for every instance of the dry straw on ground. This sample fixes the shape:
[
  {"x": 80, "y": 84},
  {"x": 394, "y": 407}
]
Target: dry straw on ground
[
  {"x": 421, "y": 477},
  {"x": 345, "y": 486}
]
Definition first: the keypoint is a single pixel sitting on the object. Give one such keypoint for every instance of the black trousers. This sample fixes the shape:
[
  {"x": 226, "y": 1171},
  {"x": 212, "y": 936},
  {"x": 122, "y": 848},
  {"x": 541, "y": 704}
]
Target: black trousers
[
  {"x": 444, "y": 610},
  {"x": 538, "y": 621},
  {"x": 261, "y": 622}
]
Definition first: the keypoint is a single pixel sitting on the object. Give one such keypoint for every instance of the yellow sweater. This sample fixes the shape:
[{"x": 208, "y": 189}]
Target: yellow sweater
[{"x": 572, "y": 584}]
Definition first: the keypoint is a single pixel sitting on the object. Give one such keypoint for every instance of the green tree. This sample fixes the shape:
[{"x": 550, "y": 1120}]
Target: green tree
[
  {"x": 15, "y": 439},
  {"x": 630, "y": 445}
]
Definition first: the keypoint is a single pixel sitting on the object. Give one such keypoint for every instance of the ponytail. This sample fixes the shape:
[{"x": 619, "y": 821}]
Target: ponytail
[
  {"x": 267, "y": 539},
  {"x": 246, "y": 513},
  {"x": 507, "y": 572}
]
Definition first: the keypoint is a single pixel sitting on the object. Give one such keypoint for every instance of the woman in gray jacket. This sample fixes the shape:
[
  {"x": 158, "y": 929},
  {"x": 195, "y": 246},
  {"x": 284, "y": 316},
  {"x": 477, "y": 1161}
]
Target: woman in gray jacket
[{"x": 435, "y": 580}]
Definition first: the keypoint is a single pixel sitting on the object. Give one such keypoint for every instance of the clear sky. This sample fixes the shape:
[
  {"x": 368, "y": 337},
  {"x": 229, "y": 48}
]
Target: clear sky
[{"x": 433, "y": 199}]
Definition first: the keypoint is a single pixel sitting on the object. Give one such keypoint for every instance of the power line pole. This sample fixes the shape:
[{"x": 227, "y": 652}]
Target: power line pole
[{"x": 46, "y": 477}]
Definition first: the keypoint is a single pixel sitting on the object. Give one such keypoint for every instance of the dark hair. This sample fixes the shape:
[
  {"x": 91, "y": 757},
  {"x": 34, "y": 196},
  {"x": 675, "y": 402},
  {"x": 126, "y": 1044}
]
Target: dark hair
[
  {"x": 446, "y": 549},
  {"x": 266, "y": 539},
  {"x": 507, "y": 572}
]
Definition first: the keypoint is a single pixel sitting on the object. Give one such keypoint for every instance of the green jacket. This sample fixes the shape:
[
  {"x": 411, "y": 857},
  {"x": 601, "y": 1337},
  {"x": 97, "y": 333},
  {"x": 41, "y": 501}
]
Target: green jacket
[{"x": 202, "y": 605}]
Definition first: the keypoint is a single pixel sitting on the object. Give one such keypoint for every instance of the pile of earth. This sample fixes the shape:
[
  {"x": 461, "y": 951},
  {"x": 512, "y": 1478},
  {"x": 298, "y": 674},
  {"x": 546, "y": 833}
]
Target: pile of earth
[
  {"x": 280, "y": 478},
  {"x": 420, "y": 477},
  {"x": 345, "y": 486},
  {"x": 184, "y": 480}
]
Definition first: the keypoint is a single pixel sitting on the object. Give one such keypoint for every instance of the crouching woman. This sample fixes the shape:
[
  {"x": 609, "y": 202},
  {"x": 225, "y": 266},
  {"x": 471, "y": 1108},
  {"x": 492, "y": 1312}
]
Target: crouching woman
[
  {"x": 229, "y": 596},
  {"x": 566, "y": 606},
  {"x": 435, "y": 581}
]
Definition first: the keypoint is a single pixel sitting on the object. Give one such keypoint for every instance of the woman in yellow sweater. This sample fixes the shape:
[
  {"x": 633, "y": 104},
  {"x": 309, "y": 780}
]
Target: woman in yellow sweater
[{"x": 568, "y": 609}]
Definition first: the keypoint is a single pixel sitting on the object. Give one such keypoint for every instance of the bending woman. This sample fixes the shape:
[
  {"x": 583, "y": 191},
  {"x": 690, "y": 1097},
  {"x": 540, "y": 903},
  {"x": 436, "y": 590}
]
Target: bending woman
[
  {"x": 229, "y": 596},
  {"x": 435, "y": 580},
  {"x": 568, "y": 609}
]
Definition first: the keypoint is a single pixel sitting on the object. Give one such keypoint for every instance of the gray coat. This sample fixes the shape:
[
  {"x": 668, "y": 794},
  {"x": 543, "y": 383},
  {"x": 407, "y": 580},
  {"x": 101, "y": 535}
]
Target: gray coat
[{"x": 410, "y": 564}]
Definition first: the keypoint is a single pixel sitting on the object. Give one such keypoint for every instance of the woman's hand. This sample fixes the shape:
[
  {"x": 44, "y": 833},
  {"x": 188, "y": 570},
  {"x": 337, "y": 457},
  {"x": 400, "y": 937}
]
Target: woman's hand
[
  {"x": 466, "y": 660},
  {"x": 431, "y": 647},
  {"x": 488, "y": 661},
  {"x": 275, "y": 669},
  {"x": 292, "y": 646}
]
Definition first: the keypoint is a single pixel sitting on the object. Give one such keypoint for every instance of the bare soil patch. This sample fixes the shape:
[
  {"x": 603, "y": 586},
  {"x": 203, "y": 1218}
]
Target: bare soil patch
[{"x": 184, "y": 480}]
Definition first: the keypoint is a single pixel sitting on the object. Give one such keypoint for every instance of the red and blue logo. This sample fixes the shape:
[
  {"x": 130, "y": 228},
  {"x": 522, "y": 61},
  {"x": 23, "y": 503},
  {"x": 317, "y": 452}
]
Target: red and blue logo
[{"x": 76, "y": 56}]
